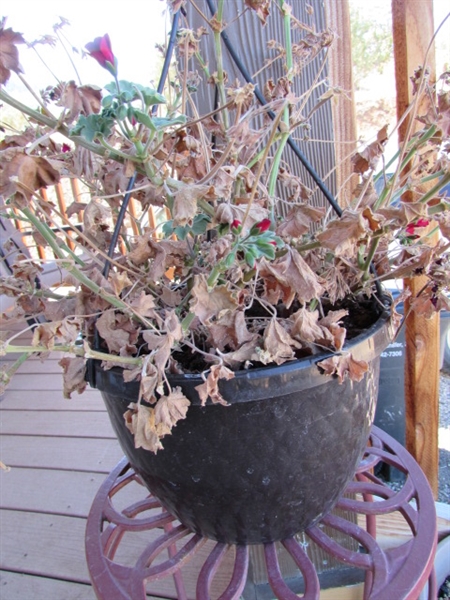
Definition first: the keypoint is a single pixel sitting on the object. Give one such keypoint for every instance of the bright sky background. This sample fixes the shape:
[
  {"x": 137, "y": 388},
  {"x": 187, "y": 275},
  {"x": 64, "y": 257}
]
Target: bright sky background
[{"x": 134, "y": 27}]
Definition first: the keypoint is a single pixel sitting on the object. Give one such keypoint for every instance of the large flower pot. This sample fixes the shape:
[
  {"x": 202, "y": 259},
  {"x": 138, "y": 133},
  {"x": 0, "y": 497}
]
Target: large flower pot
[{"x": 271, "y": 463}]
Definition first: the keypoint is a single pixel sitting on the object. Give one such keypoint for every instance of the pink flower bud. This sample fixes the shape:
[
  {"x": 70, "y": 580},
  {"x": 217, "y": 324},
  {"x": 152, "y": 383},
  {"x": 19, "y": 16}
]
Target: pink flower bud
[
  {"x": 65, "y": 148},
  {"x": 263, "y": 225},
  {"x": 101, "y": 50}
]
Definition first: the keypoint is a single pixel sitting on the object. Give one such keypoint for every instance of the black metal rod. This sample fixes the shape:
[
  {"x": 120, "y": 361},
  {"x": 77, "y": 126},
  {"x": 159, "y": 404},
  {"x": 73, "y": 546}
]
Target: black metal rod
[{"x": 131, "y": 181}]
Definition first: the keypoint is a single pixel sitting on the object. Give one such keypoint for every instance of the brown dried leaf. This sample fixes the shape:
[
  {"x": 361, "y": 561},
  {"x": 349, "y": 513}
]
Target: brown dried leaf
[
  {"x": 24, "y": 174},
  {"x": 444, "y": 223},
  {"x": 341, "y": 234},
  {"x": 305, "y": 325},
  {"x": 185, "y": 203},
  {"x": 78, "y": 100},
  {"x": 210, "y": 389},
  {"x": 247, "y": 352},
  {"x": 120, "y": 281},
  {"x": 25, "y": 269},
  {"x": 140, "y": 420},
  {"x": 9, "y": 55},
  {"x": 165, "y": 254},
  {"x": 261, "y": 7},
  {"x": 299, "y": 219},
  {"x": 45, "y": 334},
  {"x": 170, "y": 409},
  {"x": 289, "y": 277},
  {"x": 207, "y": 303},
  {"x": 144, "y": 305},
  {"x": 295, "y": 186},
  {"x": 18, "y": 140},
  {"x": 344, "y": 366},
  {"x": 230, "y": 330},
  {"x": 369, "y": 157},
  {"x": 74, "y": 375},
  {"x": 108, "y": 326},
  {"x": 278, "y": 344}
]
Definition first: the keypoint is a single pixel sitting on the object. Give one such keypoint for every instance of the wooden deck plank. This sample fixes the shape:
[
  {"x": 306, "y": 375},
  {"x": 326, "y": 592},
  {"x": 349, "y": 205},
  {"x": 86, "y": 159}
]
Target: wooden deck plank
[
  {"x": 49, "y": 491},
  {"x": 46, "y": 545},
  {"x": 34, "y": 365},
  {"x": 50, "y": 400},
  {"x": 89, "y": 454},
  {"x": 18, "y": 586},
  {"x": 52, "y": 546},
  {"x": 68, "y": 493},
  {"x": 39, "y": 381},
  {"x": 56, "y": 423}
]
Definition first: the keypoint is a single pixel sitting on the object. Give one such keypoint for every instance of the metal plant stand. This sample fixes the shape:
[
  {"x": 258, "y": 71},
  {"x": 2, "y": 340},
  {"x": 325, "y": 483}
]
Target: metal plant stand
[{"x": 133, "y": 549}]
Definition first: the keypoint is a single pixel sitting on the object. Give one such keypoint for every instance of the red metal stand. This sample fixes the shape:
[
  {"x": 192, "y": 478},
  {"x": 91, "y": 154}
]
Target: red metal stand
[{"x": 134, "y": 549}]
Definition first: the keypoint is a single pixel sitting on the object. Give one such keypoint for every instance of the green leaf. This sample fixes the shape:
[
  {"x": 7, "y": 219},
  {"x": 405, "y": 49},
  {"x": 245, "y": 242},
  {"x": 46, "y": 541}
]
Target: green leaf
[
  {"x": 229, "y": 260},
  {"x": 144, "y": 119},
  {"x": 250, "y": 257},
  {"x": 151, "y": 96},
  {"x": 93, "y": 126},
  {"x": 107, "y": 101},
  {"x": 163, "y": 122},
  {"x": 121, "y": 112},
  {"x": 130, "y": 91},
  {"x": 200, "y": 223},
  {"x": 167, "y": 228},
  {"x": 266, "y": 249}
]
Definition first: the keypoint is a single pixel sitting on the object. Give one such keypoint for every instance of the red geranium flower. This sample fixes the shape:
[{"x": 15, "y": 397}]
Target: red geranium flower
[
  {"x": 410, "y": 230},
  {"x": 101, "y": 50}
]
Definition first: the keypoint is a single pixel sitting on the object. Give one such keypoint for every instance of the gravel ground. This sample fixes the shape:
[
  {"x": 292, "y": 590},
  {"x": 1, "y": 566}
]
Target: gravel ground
[{"x": 444, "y": 439}]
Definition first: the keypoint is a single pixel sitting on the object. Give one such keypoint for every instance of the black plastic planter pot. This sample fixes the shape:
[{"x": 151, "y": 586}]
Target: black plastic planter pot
[{"x": 272, "y": 462}]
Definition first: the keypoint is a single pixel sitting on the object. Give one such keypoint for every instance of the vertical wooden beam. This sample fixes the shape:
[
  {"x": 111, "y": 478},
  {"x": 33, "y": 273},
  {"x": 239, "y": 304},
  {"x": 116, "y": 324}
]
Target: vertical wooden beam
[
  {"x": 413, "y": 30},
  {"x": 344, "y": 113}
]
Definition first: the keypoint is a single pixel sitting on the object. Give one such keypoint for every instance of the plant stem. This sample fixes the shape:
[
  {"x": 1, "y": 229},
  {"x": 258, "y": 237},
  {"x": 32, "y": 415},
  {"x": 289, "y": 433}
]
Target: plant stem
[
  {"x": 50, "y": 237},
  {"x": 373, "y": 248},
  {"x": 285, "y": 135},
  {"x": 273, "y": 133},
  {"x": 219, "y": 59},
  {"x": 72, "y": 349}
]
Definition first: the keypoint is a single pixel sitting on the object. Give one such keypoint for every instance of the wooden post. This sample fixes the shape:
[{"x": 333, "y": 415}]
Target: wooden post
[
  {"x": 344, "y": 115},
  {"x": 413, "y": 30}
]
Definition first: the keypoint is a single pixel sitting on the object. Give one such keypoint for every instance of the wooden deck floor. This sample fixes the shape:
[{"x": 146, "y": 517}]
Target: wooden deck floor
[{"x": 59, "y": 452}]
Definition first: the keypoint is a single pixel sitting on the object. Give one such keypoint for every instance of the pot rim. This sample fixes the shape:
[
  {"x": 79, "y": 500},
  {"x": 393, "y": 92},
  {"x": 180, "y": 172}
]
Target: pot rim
[{"x": 261, "y": 382}]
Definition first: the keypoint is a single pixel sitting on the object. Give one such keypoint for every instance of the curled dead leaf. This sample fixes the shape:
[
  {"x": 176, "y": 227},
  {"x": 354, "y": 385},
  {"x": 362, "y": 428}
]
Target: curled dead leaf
[
  {"x": 299, "y": 219},
  {"x": 9, "y": 55},
  {"x": 341, "y": 234},
  {"x": 74, "y": 375},
  {"x": 278, "y": 344},
  {"x": 289, "y": 277},
  {"x": 210, "y": 389},
  {"x": 344, "y": 365},
  {"x": 141, "y": 422},
  {"x": 207, "y": 303},
  {"x": 23, "y": 174},
  {"x": 171, "y": 408},
  {"x": 261, "y": 7}
]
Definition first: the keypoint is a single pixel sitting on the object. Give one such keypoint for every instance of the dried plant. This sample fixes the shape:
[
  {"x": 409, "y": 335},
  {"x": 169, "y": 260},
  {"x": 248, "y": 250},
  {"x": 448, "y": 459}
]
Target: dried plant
[{"x": 230, "y": 275}]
